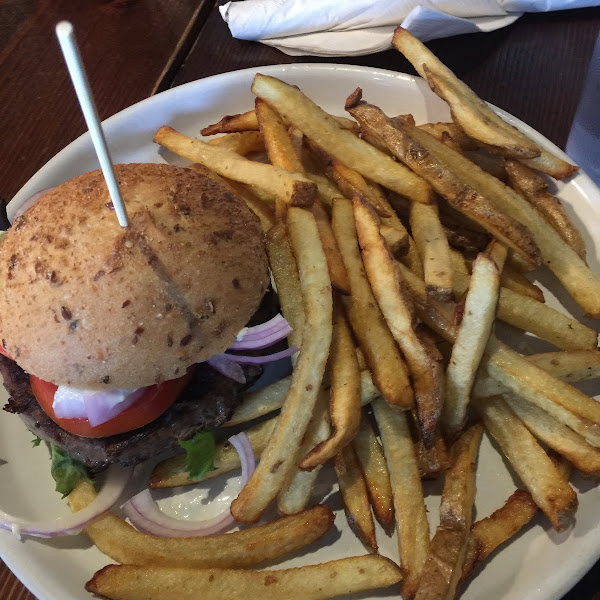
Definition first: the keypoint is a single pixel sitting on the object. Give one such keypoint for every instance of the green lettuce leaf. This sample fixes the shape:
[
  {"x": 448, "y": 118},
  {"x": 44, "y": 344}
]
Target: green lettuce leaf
[
  {"x": 66, "y": 471},
  {"x": 200, "y": 454},
  {"x": 36, "y": 442}
]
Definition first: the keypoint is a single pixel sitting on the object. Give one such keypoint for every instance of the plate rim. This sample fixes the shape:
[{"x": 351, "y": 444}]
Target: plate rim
[{"x": 556, "y": 584}]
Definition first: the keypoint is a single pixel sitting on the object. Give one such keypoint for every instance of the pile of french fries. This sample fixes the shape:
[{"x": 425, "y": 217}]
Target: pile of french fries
[{"x": 394, "y": 248}]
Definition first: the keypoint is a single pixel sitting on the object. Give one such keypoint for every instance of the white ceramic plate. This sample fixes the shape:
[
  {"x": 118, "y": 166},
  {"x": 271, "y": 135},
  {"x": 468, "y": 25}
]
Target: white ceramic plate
[{"x": 539, "y": 564}]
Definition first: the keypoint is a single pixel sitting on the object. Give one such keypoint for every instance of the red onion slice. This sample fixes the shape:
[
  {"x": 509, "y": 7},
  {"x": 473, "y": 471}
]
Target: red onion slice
[
  {"x": 259, "y": 330},
  {"x": 146, "y": 516},
  {"x": 227, "y": 367},
  {"x": 272, "y": 336},
  {"x": 117, "y": 479},
  {"x": 259, "y": 360}
]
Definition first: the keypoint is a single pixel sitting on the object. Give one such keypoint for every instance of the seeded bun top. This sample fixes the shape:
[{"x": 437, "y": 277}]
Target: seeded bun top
[{"x": 89, "y": 304}]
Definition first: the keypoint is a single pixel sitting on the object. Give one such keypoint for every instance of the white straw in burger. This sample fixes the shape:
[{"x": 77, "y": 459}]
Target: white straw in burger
[{"x": 68, "y": 45}]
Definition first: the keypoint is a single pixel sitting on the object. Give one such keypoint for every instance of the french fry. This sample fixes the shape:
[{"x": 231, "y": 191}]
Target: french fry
[
  {"x": 534, "y": 189},
  {"x": 557, "y": 436},
  {"x": 332, "y": 137},
  {"x": 279, "y": 146},
  {"x": 434, "y": 250},
  {"x": 377, "y": 477},
  {"x": 571, "y": 366},
  {"x": 119, "y": 540},
  {"x": 448, "y": 548},
  {"x": 517, "y": 282},
  {"x": 312, "y": 582},
  {"x": 432, "y": 461},
  {"x": 232, "y": 123},
  {"x": 437, "y": 130},
  {"x": 468, "y": 349},
  {"x": 411, "y": 516},
  {"x": 344, "y": 407},
  {"x": 287, "y": 281},
  {"x": 458, "y": 262},
  {"x": 279, "y": 457},
  {"x": 543, "y": 321},
  {"x": 489, "y": 533},
  {"x": 561, "y": 400},
  {"x": 537, "y": 472},
  {"x": 296, "y": 490},
  {"x": 381, "y": 352},
  {"x": 396, "y": 308},
  {"x": 395, "y": 240},
  {"x": 353, "y": 490},
  {"x": 328, "y": 192},
  {"x": 471, "y": 113},
  {"x": 335, "y": 264},
  {"x": 295, "y": 188},
  {"x": 564, "y": 262},
  {"x": 351, "y": 182},
  {"x": 241, "y": 142},
  {"x": 171, "y": 472},
  {"x": 427, "y": 157}
]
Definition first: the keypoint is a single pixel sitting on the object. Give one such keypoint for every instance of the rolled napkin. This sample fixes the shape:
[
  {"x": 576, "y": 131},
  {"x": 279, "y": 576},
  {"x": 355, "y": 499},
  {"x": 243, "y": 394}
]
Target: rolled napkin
[{"x": 356, "y": 27}]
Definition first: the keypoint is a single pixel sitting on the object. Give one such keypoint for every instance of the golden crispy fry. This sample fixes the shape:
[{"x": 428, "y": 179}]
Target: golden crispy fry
[
  {"x": 328, "y": 192},
  {"x": 434, "y": 250},
  {"x": 517, "y": 282},
  {"x": 409, "y": 506},
  {"x": 396, "y": 241},
  {"x": 171, "y": 472},
  {"x": 355, "y": 496},
  {"x": 279, "y": 146},
  {"x": 242, "y": 142},
  {"x": 468, "y": 349},
  {"x": 572, "y": 365},
  {"x": 534, "y": 189},
  {"x": 564, "y": 262},
  {"x": 536, "y": 470},
  {"x": 297, "y": 488},
  {"x": 458, "y": 262},
  {"x": 287, "y": 281},
  {"x": 332, "y": 137},
  {"x": 436, "y": 315},
  {"x": 231, "y": 123},
  {"x": 551, "y": 165},
  {"x": 344, "y": 376},
  {"x": 448, "y": 548},
  {"x": 312, "y": 582},
  {"x": 119, "y": 540},
  {"x": 543, "y": 321},
  {"x": 557, "y": 436},
  {"x": 295, "y": 188},
  {"x": 437, "y": 130},
  {"x": 351, "y": 183},
  {"x": 381, "y": 352},
  {"x": 279, "y": 457},
  {"x": 432, "y": 461},
  {"x": 377, "y": 477},
  {"x": 335, "y": 264},
  {"x": 397, "y": 310},
  {"x": 427, "y": 156},
  {"x": 564, "y": 402},
  {"x": 487, "y": 534},
  {"x": 471, "y": 113}
]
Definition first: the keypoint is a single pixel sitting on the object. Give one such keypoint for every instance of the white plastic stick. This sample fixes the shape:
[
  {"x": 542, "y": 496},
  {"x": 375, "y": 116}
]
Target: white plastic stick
[{"x": 68, "y": 45}]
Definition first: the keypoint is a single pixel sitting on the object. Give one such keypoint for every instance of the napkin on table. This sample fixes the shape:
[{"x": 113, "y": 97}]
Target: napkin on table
[{"x": 356, "y": 27}]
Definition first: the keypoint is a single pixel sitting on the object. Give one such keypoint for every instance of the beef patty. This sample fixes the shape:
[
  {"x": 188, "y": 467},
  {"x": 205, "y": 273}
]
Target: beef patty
[{"x": 208, "y": 401}]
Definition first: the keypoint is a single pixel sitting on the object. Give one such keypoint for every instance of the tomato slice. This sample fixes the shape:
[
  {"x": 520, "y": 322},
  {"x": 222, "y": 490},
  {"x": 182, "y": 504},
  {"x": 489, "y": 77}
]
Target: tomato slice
[{"x": 149, "y": 406}]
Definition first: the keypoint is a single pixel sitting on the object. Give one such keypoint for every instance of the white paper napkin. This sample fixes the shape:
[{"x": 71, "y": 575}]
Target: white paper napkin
[{"x": 355, "y": 27}]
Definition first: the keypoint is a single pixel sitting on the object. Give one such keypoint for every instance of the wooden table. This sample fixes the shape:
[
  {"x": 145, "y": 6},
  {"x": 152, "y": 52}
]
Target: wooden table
[{"x": 534, "y": 69}]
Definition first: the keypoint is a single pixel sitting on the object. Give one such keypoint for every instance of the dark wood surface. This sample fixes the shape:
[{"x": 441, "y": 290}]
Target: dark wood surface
[{"x": 534, "y": 69}]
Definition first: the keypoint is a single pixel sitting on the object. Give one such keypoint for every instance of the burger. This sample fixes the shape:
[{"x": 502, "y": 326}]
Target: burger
[{"x": 107, "y": 332}]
